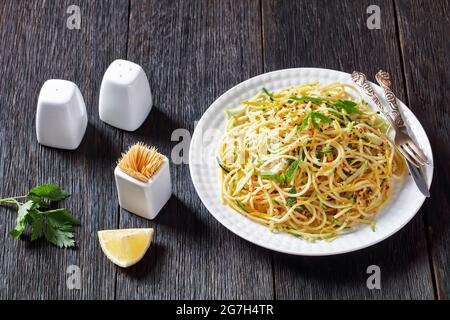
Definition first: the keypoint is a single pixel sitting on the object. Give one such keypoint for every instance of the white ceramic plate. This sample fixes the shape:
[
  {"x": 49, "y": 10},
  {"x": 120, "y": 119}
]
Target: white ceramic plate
[{"x": 403, "y": 205}]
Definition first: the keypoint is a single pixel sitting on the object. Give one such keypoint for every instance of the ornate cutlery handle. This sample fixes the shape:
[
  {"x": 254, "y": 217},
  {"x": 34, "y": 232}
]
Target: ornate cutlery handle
[
  {"x": 384, "y": 80},
  {"x": 361, "y": 80}
]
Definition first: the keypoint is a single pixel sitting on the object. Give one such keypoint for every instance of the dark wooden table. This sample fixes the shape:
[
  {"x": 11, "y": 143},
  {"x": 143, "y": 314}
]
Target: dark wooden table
[{"x": 193, "y": 51}]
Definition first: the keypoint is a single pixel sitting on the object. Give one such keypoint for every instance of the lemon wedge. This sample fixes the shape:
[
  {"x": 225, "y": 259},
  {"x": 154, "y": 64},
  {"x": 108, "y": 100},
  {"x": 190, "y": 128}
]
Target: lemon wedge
[{"x": 125, "y": 247}]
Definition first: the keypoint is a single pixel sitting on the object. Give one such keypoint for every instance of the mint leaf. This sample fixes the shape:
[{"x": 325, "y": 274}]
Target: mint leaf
[
  {"x": 21, "y": 220},
  {"x": 49, "y": 192}
]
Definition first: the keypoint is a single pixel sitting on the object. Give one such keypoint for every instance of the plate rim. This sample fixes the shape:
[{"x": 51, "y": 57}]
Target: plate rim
[{"x": 239, "y": 233}]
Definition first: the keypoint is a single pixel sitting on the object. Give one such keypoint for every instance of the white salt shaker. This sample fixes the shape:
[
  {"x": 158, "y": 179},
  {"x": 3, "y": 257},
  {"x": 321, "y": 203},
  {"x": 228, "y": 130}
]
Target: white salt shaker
[
  {"x": 125, "y": 98},
  {"x": 145, "y": 199},
  {"x": 61, "y": 117}
]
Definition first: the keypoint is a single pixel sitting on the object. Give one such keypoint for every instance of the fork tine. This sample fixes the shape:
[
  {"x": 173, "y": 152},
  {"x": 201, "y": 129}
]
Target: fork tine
[
  {"x": 418, "y": 151},
  {"x": 408, "y": 156},
  {"x": 413, "y": 155},
  {"x": 411, "y": 152}
]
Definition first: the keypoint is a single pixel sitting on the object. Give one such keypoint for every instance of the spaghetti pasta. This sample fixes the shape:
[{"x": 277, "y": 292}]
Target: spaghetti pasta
[{"x": 309, "y": 160}]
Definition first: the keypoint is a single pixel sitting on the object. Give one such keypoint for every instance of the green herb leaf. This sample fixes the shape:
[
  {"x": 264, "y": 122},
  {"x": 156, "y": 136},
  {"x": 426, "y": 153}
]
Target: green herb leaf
[
  {"x": 336, "y": 114},
  {"x": 322, "y": 204},
  {"x": 241, "y": 205},
  {"x": 305, "y": 122},
  {"x": 60, "y": 235},
  {"x": 37, "y": 228},
  {"x": 360, "y": 135},
  {"x": 290, "y": 173},
  {"x": 323, "y": 152},
  {"x": 347, "y": 105},
  {"x": 341, "y": 116},
  {"x": 231, "y": 123},
  {"x": 373, "y": 226},
  {"x": 47, "y": 192},
  {"x": 268, "y": 94},
  {"x": 21, "y": 220},
  {"x": 321, "y": 117},
  {"x": 315, "y": 116},
  {"x": 61, "y": 216},
  {"x": 55, "y": 225},
  {"x": 272, "y": 176},
  {"x": 291, "y": 200},
  {"x": 318, "y": 116}
]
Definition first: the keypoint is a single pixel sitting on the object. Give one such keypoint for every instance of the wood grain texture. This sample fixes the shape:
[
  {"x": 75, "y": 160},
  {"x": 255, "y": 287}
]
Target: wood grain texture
[
  {"x": 37, "y": 46},
  {"x": 331, "y": 34},
  {"x": 425, "y": 47},
  {"x": 192, "y": 51}
]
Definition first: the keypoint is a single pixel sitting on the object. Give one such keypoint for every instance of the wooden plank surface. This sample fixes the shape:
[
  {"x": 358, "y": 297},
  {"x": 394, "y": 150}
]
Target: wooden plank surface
[
  {"x": 334, "y": 35},
  {"x": 192, "y": 51},
  {"x": 425, "y": 48},
  {"x": 36, "y": 46}
]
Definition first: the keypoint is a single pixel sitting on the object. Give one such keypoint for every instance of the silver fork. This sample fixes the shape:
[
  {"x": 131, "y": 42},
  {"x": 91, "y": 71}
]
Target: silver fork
[
  {"x": 404, "y": 143},
  {"x": 401, "y": 139}
]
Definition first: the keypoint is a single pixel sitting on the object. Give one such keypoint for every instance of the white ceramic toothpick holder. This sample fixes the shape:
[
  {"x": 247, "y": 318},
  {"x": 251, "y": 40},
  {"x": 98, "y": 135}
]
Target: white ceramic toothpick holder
[
  {"x": 125, "y": 98},
  {"x": 61, "y": 117},
  {"x": 145, "y": 199}
]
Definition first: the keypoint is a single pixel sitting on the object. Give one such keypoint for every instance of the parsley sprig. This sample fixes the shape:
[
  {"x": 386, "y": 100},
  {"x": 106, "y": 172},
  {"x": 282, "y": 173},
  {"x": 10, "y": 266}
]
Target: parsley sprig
[
  {"x": 314, "y": 117},
  {"x": 34, "y": 212},
  {"x": 347, "y": 105}
]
